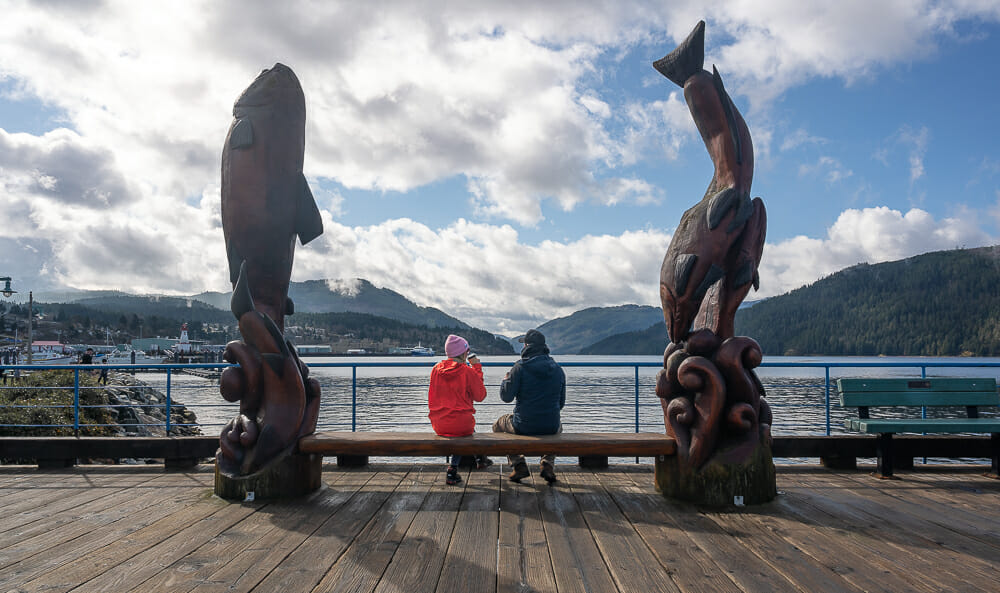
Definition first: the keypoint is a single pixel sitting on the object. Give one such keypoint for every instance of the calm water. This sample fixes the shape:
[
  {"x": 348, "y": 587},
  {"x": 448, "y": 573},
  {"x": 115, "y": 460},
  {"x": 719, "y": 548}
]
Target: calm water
[{"x": 598, "y": 399}]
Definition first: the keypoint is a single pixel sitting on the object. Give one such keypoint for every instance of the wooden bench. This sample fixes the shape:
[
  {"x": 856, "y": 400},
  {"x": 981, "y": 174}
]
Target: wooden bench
[
  {"x": 937, "y": 392},
  {"x": 592, "y": 449}
]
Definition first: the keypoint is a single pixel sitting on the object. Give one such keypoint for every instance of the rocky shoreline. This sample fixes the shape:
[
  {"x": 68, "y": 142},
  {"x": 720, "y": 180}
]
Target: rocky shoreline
[{"x": 139, "y": 410}]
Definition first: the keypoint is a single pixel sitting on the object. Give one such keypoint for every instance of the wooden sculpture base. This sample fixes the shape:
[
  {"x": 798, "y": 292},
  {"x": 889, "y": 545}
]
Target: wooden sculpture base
[
  {"x": 720, "y": 482},
  {"x": 294, "y": 475}
]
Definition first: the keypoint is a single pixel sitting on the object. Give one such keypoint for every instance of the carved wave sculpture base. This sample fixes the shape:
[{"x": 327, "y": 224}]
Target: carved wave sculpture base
[
  {"x": 291, "y": 476},
  {"x": 720, "y": 483},
  {"x": 714, "y": 408}
]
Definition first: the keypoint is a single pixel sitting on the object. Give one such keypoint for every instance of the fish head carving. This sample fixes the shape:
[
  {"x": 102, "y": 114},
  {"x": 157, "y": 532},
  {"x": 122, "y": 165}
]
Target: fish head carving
[{"x": 273, "y": 86}]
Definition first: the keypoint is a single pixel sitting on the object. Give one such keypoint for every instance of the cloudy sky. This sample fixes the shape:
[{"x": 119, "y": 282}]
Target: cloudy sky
[{"x": 507, "y": 162}]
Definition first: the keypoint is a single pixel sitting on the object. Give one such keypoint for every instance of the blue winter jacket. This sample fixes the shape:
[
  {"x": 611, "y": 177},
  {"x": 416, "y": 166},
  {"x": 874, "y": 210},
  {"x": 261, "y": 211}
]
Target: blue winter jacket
[{"x": 539, "y": 385}]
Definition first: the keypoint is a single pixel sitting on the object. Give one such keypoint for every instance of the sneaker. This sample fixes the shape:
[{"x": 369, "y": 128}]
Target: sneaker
[
  {"x": 452, "y": 476},
  {"x": 483, "y": 462},
  {"x": 520, "y": 472},
  {"x": 548, "y": 472}
]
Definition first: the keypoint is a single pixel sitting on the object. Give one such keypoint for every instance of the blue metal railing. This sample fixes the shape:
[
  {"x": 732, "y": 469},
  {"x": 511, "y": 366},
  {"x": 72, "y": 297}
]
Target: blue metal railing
[{"x": 370, "y": 395}]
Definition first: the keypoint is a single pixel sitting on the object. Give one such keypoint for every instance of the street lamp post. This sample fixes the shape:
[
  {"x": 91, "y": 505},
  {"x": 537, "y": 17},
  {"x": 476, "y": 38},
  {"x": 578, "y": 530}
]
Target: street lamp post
[
  {"x": 8, "y": 292},
  {"x": 31, "y": 316}
]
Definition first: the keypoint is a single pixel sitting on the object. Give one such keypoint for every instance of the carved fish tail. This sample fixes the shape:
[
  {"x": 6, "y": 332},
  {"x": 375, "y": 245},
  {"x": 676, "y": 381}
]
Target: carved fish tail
[{"x": 686, "y": 60}]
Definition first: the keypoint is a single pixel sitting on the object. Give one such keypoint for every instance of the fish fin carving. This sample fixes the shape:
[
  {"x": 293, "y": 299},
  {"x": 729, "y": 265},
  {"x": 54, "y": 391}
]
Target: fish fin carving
[
  {"x": 241, "y": 135},
  {"x": 743, "y": 212},
  {"x": 241, "y": 301},
  {"x": 713, "y": 275},
  {"x": 744, "y": 274},
  {"x": 308, "y": 222},
  {"x": 235, "y": 262},
  {"x": 719, "y": 205},
  {"x": 682, "y": 271},
  {"x": 686, "y": 60},
  {"x": 289, "y": 306},
  {"x": 730, "y": 111}
]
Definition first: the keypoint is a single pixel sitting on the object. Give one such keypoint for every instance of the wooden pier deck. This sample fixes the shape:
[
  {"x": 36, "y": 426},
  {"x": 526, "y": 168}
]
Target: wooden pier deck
[{"x": 400, "y": 528}]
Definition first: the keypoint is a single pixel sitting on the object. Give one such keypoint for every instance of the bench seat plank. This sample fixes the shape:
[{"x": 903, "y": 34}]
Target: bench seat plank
[
  {"x": 942, "y": 425},
  {"x": 420, "y": 444}
]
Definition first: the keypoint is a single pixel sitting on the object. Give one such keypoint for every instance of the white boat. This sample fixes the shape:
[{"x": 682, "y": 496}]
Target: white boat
[
  {"x": 421, "y": 351},
  {"x": 50, "y": 357},
  {"x": 48, "y": 352},
  {"x": 125, "y": 357}
]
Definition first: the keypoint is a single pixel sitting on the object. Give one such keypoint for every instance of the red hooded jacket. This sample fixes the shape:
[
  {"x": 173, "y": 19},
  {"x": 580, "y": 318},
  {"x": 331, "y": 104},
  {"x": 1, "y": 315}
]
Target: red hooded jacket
[{"x": 454, "y": 386}]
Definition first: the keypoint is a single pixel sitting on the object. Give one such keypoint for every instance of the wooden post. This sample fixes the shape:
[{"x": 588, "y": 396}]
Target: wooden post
[
  {"x": 722, "y": 482},
  {"x": 294, "y": 475}
]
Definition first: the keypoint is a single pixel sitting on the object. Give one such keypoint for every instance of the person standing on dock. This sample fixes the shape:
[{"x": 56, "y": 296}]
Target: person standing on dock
[
  {"x": 538, "y": 384},
  {"x": 456, "y": 382}
]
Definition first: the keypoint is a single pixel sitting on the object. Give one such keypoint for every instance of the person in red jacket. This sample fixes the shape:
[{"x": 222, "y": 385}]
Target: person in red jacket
[{"x": 456, "y": 382}]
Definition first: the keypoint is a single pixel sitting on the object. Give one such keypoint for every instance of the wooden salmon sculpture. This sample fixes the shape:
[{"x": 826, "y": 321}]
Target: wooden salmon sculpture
[
  {"x": 710, "y": 396},
  {"x": 266, "y": 203},
  {"x": 266, "y": 200},
  {"x": 716, "y": 248}
]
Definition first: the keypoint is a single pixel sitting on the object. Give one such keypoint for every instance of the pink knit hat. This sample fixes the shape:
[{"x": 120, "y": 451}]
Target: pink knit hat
[{"x": 455, "y": 346}]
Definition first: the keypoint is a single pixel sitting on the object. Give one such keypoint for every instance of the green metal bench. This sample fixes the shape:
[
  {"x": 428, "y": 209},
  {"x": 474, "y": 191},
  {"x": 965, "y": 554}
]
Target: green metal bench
[{"x": 937, "y": 392}]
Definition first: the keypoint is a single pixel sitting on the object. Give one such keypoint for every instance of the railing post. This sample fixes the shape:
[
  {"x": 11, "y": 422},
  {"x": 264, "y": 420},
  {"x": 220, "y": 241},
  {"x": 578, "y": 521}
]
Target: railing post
[
  {"x": 827, "y": 401},
  {"x": 354, "y": 398},
  {"x": 168, "y": 401},
  {"x": 636, "y": 367},
  {"x": 636, "y": 398},
  {"x": 76, "y": 402}
]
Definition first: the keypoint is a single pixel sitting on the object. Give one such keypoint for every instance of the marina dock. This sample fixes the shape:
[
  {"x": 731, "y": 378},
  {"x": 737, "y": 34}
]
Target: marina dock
[{"x": 400, "y": 528}]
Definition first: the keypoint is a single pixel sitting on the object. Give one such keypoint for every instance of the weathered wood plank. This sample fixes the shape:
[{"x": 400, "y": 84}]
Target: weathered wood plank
[
  {"x": 967, "y": 490},
  {"x": 308, "y": 563},
  {"x": 632, "y": 565},
  {"x": 784, "y": 557},
  {"x": 45, "y": 527},
  {"x": 910, "y": 501},
  {"x": 25, "y": 505},
  {"x": 486, "y": 443},
  {"x": 576, "y": 558},
  {"x": 420, "y": 556},
  {"x": 850, "y": 564},
  {"x": 251, "y": 565},
  {"x": 690, "y": 567},
  {"x": 862, "y": 554},
  {"x": 742, "y": 564},
  {"x": 43, "y": 552},
  {"x": 523, "y": 562},
  {"x": 144, "y": 553},
  {"x": 189, "y": 570},
  {"x": 471, "y": 563},
  {"x": 926, "y": 551},
  {"x": 361, "y": 566}
]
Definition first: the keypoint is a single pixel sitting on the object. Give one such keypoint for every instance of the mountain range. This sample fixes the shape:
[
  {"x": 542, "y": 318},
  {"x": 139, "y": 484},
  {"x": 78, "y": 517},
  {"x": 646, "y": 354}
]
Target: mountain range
[{"x": 936, "y": 304}]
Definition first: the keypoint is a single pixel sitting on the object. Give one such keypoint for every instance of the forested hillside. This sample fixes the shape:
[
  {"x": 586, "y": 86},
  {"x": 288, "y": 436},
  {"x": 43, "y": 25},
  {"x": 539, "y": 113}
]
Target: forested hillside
[
  {"x": 354, "y": 296},
  {"x": 937, "y": 304},
  {"x": 569, "y": 335},
  {"x": 376, "y": 328}
]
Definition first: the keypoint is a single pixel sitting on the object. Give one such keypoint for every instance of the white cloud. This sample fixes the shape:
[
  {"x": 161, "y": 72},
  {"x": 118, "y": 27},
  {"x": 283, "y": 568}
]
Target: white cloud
[
  {"x": 870, "y": 235},
  {"x": 482, "y": 274},
  {"x": 828, "y": 168},
  {"x": 507, "y": 96},
  {"x": 800, "y": 137}
]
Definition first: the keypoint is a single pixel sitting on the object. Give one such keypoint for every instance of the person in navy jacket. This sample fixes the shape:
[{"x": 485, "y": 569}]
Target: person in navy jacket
[{"x": 538, "y": 384}]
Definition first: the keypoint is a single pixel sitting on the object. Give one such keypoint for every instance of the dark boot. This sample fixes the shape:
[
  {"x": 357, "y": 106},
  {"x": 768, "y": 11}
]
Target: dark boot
[
  {"x": 520, "y": 472},
  {"x": 483, "y": 462},
  {"x": 548, "y": 472},
  {"x": 452, "y": 476}
]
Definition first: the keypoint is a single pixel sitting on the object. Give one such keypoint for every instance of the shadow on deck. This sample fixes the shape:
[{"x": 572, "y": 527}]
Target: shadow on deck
[{"x": 401, "y": 528}]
